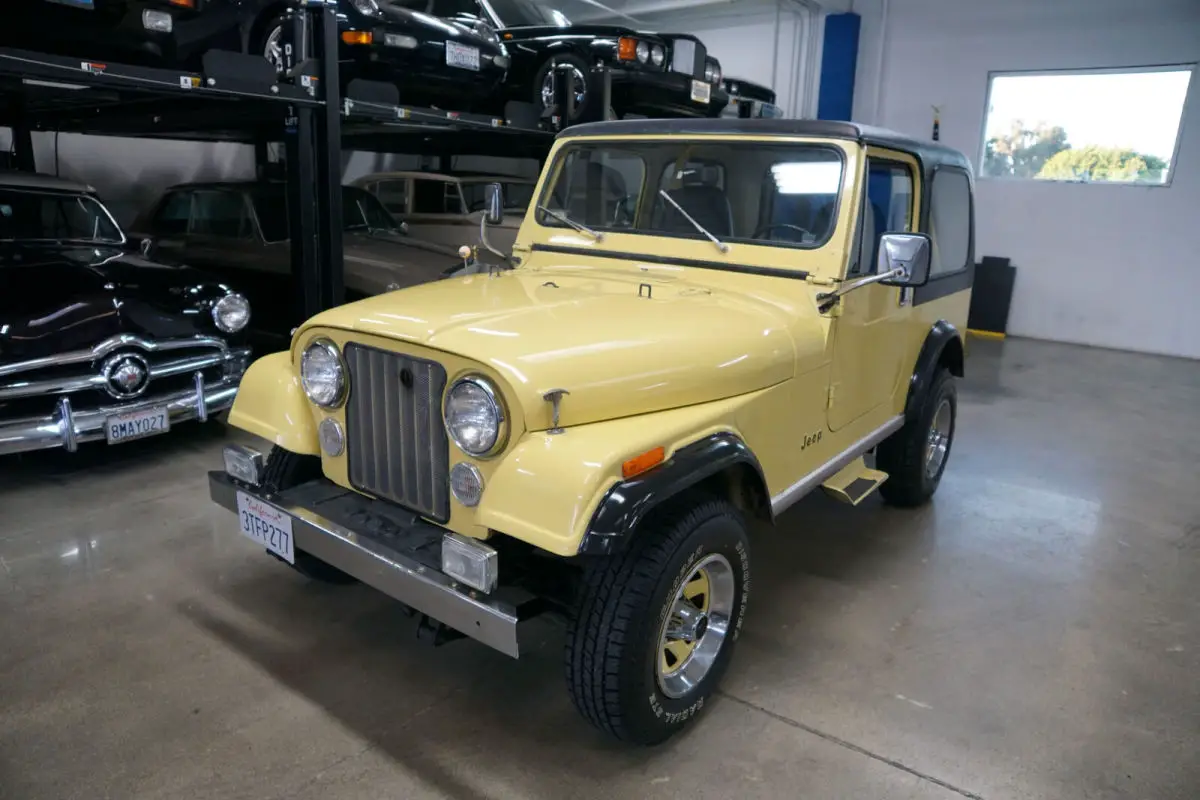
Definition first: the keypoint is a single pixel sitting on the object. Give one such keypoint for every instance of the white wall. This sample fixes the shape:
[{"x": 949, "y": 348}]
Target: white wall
[
  {"x": 1113, "y": 266},
  {"x": 765, "y": 41}
]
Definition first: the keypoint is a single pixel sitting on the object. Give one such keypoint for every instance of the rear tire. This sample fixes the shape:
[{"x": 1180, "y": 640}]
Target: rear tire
[
  {"x": 285, "y": 469},
  {"x": 630, "y": 669},
  {"x": 915, "y": 456},
  {"x": 267, "y": 41},
  {"x": 540, "y": 78}
]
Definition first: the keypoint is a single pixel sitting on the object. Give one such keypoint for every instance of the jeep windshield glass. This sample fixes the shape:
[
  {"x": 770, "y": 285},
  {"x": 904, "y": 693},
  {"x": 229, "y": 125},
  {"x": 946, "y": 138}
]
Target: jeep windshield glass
[
  {"x": 515, "y": 13},
  {"x": 741, "y": 192},
  {"x": 28, "y": 215},
  {"x": 361, "y": 211}
]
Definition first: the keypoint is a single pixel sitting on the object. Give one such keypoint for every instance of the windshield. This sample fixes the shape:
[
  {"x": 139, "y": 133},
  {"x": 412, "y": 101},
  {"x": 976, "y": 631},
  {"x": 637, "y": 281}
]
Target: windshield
[
  {"x": 516, "y": 195},
  {"x": 33, "y": 215},
  {"x": 360, "y": 211},
  {"x": 515, "y": 13},
  {"x": 780, "y": 194}
]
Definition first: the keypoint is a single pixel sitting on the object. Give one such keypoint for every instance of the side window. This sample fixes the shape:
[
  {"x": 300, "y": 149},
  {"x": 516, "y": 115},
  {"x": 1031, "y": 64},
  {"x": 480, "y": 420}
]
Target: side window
[
  {"x": 429, "y": 197},
  {"x": 172, "y": 216},
  {"x": 220, "y": 213},
  {"x": 950, "y": 221},
  {"x": 887, "y": 208},
  {"x": 393, "y": 195}
]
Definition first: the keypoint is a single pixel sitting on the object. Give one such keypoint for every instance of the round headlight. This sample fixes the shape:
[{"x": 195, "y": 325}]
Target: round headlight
[
  {"x": 657, "y": 54},
  {"x": 322, "y": 374},
  {"x": 231, "y": 313},
  {"x": 643, "y": 52},
  {"x": 708, "y": 71},
  {"x": 368, "y": 7},
  {"x": 474, "y": 416}
]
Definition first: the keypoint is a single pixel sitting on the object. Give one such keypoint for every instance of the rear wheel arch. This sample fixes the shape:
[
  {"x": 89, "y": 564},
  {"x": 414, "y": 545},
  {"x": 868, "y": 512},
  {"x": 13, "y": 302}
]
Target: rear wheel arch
[{"x": 720, "y": 465}]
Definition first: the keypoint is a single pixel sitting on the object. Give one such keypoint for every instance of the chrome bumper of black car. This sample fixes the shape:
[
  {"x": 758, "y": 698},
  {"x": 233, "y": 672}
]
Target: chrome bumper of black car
[
  {"x": 68, "y": 427},
  {"x": 398, "y": 554}
]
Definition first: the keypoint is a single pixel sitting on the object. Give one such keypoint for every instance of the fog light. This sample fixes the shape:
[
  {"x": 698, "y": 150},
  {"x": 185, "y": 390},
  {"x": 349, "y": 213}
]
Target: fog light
[
  {"x": 158, "y": 21},
  {"x": 243, "y": 463},
  {"x": 399, "y": 40},
  {"x": 466, "y": 484},
  {"x": 470, "y": 562},
  {"x": 500, "y": 61},
  {"x": 333, "y": 438}
]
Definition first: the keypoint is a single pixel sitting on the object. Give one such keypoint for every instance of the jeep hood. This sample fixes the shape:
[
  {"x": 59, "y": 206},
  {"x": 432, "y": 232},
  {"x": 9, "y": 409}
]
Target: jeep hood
[{"x": 619, "y": 353}]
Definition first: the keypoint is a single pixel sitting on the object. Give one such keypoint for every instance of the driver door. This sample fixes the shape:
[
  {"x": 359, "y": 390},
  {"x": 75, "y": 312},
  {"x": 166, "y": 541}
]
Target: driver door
[{"x": 868, "y": 335}]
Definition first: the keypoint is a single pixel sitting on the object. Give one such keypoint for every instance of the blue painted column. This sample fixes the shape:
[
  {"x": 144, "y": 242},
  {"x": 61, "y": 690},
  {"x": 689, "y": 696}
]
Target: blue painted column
[{"x": 839, "y": 60}]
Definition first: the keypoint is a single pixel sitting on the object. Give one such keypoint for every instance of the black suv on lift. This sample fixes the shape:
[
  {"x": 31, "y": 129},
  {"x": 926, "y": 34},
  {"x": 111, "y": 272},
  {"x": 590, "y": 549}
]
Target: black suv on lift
[
  {"x": 431, "y": 60},
  {"x": 655, "y": 74}
]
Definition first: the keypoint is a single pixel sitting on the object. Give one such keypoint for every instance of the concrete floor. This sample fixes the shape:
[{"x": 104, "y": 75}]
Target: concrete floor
[{"x": 1031, "y": 634}]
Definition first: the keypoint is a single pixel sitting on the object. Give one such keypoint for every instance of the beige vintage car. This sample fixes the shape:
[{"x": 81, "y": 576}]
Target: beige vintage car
[{"x": 446, "y": 207}]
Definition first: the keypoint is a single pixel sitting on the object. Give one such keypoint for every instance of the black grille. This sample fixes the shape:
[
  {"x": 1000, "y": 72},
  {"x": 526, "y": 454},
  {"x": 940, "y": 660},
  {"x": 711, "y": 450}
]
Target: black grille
[{"x": 395, "y": 441}]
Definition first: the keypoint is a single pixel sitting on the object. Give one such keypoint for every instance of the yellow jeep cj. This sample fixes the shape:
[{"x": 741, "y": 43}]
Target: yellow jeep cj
[{"x": 701, "y": 322}]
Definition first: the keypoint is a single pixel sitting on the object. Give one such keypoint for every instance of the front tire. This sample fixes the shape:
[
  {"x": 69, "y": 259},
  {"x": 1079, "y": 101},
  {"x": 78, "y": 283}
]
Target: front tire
[
  {"x": 915, "y": 456},
  {"x": 655, "y": 625}
]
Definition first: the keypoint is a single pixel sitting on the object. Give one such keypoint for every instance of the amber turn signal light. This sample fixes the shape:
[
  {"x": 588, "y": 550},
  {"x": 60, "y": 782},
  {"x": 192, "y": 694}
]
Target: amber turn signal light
[
  {"x": 646, "y": 461},
  {"x": 357, "y": 37},
  {"x": 183, "y": 3},
  {"x": 627, "y": 49}
]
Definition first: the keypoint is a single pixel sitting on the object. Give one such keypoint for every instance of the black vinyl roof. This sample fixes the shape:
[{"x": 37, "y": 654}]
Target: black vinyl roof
[{"x": 929, "y": 153}]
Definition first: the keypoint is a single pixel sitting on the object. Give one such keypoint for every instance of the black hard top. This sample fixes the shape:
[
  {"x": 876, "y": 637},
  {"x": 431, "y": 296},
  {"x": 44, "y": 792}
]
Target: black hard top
[{"x": 929, "y": 153}]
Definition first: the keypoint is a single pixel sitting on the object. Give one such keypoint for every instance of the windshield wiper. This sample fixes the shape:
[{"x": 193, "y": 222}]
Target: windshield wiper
[
  {"x": 724, "y": 248},
  {"x": 564, "y": 219}
]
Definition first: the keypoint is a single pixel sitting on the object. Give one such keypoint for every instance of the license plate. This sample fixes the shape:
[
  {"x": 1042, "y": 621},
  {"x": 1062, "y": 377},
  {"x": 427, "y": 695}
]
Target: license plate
[
  {"x": 266, "y": 525},
  {"x": 461, "y": 55},
  {"x": 701, "y": 91},
  {"x": 88, "y": 4},
  {"x": 136, "y": 425}
]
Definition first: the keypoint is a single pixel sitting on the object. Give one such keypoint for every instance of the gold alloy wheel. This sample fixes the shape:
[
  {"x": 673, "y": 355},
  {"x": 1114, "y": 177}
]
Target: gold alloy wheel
[{"x": 695, "y": 630}]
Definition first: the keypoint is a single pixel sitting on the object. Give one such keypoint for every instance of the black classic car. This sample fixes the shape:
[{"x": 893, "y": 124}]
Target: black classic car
[
  {"x": 238, "y": 231},
  {"x": 749, "y": 99},
  {"x": 653, "y": 74},
  {"x": 431, "y": 60},
  {"x": 96, "y": 342}
]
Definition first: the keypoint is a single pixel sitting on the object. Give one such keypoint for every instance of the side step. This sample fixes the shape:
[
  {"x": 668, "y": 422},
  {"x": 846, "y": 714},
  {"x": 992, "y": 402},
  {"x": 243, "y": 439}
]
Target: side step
[{"x": 854, "y": 482}]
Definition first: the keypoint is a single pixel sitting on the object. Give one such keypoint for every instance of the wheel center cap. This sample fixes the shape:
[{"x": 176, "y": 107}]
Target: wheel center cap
[{"x": 701, "y": 626}]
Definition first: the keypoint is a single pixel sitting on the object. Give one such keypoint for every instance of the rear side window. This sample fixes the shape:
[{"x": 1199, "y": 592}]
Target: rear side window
[
  {"x": 219, "y": 213},
  {"x": 393, "y": 195},
  {"x": 950, "y": 221},
  {"x": 172, "y": 216}
]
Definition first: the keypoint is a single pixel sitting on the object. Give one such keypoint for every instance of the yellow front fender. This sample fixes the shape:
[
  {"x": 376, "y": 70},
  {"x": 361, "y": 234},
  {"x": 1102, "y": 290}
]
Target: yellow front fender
[
  {"x": 546, "y": 489},
  {"x": 271, "y": 403}
]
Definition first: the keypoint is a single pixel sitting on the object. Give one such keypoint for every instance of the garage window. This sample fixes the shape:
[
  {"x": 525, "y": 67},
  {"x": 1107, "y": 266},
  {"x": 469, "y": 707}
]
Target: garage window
[{"x": 1085, "y": 126}]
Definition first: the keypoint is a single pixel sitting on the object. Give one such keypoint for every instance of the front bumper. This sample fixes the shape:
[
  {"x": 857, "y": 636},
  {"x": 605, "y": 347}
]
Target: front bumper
[
  {"x": 386, "y": 548},
  {"x": 421, "y": 74},
  {"x": 68, "y": 427},
  {"x": 645, "y": 92}
]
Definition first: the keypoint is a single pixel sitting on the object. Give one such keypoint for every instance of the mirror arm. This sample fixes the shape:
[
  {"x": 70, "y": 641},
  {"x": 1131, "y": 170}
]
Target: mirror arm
[
  {"x": 483, "y": 237},
  {"x": 826, "y": 300}
]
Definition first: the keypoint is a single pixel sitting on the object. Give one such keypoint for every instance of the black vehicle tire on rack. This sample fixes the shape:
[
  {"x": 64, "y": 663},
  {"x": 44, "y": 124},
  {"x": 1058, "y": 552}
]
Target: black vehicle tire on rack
[
  {"x": 266, "y": 39},
  {"x": 915, "y": 456},
  {"x": 654, "y": 626},
  {"x": 285, "y": 469},
  {"x": 539, "y": 82}
]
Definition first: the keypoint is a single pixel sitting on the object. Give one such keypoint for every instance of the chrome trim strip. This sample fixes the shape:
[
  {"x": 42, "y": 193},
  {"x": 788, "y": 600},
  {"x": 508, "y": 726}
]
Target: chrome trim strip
[
  {"x": 68, "y": 427},
  {"x": 400, "y": 577},
  {"x": 108, "y": 345},
  {"x": 189, "y": 364},
  {"x": 782, "y": 501}
]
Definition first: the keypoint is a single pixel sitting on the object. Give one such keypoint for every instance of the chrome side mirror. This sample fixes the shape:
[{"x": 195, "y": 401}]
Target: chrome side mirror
[
  {"x": 905, "y": 255},
  {"x": 493, "y": 213}
]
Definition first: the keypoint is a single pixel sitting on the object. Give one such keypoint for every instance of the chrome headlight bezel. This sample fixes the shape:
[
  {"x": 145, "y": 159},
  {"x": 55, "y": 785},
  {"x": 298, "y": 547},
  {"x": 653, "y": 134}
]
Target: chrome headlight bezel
[
  {"x": 368, "y": 8},
  {"x": 499, "y": 439},
  {"x": 324, "y": 400},
  {"x": 222, "y": 306}
]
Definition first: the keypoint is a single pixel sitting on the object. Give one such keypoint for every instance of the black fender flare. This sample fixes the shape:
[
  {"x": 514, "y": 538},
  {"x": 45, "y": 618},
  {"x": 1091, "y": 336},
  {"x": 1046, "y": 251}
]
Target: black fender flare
[
  {"x": 943, "y": 346},
  {"x": 627, "y": 503}
]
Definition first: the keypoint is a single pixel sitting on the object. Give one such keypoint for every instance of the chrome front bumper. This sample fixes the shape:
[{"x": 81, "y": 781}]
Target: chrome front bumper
[
  {"x": 392, "y": 551},
  {"x": 68, "y": 427}
]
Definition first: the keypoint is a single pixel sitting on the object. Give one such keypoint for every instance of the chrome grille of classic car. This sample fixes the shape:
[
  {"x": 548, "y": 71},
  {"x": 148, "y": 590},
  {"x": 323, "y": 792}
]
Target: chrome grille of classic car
[{"x": 396, "y": 445}]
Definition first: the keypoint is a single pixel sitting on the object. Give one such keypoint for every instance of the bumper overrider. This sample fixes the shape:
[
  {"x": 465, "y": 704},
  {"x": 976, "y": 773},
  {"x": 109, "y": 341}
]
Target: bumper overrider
[{"x": 387, "y": 548}]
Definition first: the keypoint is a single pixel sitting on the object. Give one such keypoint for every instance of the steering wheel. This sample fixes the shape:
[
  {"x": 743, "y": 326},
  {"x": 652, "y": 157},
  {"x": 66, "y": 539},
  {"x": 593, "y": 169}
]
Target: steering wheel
[{"x": 775, "y": 225}]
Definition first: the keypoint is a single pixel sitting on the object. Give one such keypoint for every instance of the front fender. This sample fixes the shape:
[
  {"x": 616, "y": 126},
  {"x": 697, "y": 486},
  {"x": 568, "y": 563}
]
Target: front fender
[
  {"x": 271, "y": 403},
  {"x": 547, "y": 489}
]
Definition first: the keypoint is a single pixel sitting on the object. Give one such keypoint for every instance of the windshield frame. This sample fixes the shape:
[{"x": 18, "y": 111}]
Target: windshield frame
[
  {"x": 75, "y": 194},
  {"x": 556, "y": 165},
  {"x": 548, "y": 20}
]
